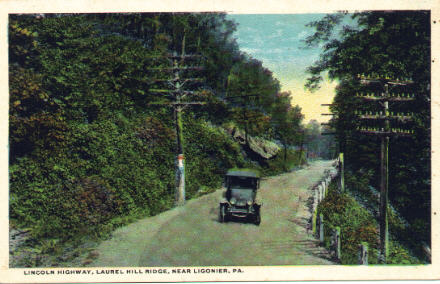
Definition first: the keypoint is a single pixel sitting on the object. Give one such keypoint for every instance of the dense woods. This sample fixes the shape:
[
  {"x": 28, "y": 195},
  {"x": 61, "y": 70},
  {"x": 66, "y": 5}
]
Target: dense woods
[
  {"x": 92, "y": 133},
  {"x": 391, "y": 45},
  {"x": 90, "y": 149}
]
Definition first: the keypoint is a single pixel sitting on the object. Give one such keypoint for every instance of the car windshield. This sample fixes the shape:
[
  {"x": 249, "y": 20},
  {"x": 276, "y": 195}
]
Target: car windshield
[
  {"x": 243, "y": 182},
  {"x": 242, "y": 194}
]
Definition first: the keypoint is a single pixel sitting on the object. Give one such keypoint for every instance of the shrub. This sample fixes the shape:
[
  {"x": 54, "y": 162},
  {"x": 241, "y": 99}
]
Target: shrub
[
  {"x": 95, "y": 201},
  {"x": 357, "y": 225},
  {"x": 399, "y": 255},
  {"x": 277, "y": 165},
  {"x": 210, "y": 152}
]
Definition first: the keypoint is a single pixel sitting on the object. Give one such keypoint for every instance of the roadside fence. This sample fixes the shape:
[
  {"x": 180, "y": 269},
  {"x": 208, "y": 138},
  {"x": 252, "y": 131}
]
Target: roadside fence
[{"x": 320, "y": 191}]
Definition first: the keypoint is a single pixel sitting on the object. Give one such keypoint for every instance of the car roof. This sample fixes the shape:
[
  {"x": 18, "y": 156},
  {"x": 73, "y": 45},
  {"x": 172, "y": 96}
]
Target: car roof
[{"x": 244, "y": 173}]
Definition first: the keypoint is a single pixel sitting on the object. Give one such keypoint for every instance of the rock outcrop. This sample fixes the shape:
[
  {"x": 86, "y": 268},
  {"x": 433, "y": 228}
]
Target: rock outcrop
[{"x": 264, "y": 148}]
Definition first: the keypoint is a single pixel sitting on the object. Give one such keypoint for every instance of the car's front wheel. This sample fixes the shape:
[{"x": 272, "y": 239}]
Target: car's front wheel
[
  {"x": 222, "y": 214},
  {"x": 257, "y": 219}
]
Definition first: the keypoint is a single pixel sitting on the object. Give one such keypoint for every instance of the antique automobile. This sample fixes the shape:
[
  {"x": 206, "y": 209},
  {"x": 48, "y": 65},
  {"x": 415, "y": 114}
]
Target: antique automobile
[{"x": 240, "y": 199}]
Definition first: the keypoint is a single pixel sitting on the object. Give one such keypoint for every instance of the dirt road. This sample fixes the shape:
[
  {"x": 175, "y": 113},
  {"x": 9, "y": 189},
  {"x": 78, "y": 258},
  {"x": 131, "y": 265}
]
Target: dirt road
[{"x": 192, "y": 236}]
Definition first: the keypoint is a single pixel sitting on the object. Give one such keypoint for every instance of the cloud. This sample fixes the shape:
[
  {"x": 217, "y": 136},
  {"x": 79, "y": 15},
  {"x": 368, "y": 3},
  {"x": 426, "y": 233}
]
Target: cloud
[
  {"x": 278, "y": 33},
  {"x": 274, "y": 51},
  {"x": 250, "y": 50},
  {"x": 258, "y": 40},
  {"x": 302, "y": 35},
  {"x": 290, "y": 39},
  {"x": 276, "y": 41},
  {"x": 248, "y": 29}
]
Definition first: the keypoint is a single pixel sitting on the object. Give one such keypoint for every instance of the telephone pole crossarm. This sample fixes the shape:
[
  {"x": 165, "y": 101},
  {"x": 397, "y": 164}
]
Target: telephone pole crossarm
[
  {"x": 178, "y": 103},
  {"x": 189, "y": 103},
  {"x": 164, "y": 91},
  {"x": 178, "y": 79},
  {"x": 384, "y": 133},
  {"x": 390, "y": 99},
  {"x": 177, "y": 56},
  {"x": 388, "y": 117},
  {"x": 375, "y": 79},
  {"x": 176, "y": 68},
  {"x": 184, "y": 56},
  {"x": 238, "y": 97}
]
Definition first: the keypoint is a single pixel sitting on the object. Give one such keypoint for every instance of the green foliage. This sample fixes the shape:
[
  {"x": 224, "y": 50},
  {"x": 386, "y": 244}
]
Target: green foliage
[
  {"x": 357, "y": 225},
  {"x": 286, "y": 122},
  {"x": 318, "y": 145},
  {"x": 279, "y": 164},
  {"x": 252, "y": 91},
  {"x": 403, "y": 232},
  {"x": 400, "y": 255},
  {"x": 207, "y": 162},
  {"x": 89, "y": 152},
  {"x": 389, "y": 45},
  {"x": 32, "y": 108}
]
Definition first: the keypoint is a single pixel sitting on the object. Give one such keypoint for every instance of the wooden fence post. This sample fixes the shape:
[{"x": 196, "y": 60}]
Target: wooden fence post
[
  {"x": 363, "y": 253},
  {"x": 316, "y": 197},
  {"x": 426, "y": 251},
  {"x": 328, "y": 180},
  {"x": 337, "y": 242},
  {"x": 341, "y": 171},
  {"x": 315, "y": 213},
  {"x": 319, "y": 193},
  {"x": 321, "y": 228}
]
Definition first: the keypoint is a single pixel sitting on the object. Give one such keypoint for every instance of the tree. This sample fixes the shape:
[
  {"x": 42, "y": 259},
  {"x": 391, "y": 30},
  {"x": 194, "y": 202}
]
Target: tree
[
  {"x": 251, "y": 91},
  {"x": 392, "y": 45},
  {"x": 286, "y": 121},
  {"x": 312, "y": 137},
  {"x": 88, "y": 149}
]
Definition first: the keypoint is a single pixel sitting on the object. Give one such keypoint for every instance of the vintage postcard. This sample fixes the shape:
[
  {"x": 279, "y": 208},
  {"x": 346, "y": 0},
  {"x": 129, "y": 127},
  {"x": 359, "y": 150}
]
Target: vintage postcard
[{"x": 166, "y": 141}]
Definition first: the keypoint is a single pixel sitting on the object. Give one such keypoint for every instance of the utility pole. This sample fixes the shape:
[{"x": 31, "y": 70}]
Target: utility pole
[
  {"x": 385, "y": 132},
  {"x": 326, "y": 123},
  {"x": 178, "y": 100},
  {"x": 301, "y": 147},
  {"x": 341, "y": 153},
  {"x": 331, "y": 145}
]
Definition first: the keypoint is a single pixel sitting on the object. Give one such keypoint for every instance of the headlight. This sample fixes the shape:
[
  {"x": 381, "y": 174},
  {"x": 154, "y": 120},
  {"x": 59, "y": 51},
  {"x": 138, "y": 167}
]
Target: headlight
[
  {"x": 233, "y": 201},
  {"x": 249, "y": 202}
]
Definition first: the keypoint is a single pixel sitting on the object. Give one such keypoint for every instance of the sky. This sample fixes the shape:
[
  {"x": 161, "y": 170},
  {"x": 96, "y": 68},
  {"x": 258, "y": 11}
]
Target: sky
[{"x": 276, "y": 40}]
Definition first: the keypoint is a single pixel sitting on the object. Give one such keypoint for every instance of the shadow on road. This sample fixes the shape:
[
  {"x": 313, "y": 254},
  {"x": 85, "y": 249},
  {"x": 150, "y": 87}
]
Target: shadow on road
[
  {"x": 302, "y": 222},
  {"x": 215, "y": 218},
  {"x": 309, "y": 247}
]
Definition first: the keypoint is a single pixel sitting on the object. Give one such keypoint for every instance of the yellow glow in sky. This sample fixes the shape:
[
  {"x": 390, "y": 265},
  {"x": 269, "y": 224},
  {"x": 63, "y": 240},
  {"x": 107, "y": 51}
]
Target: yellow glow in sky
[
  {"x": 309, "y": 102},
  {"x": 277, "y": 40}
]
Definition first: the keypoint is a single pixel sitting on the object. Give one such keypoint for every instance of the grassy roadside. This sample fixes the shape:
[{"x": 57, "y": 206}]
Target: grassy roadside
[
  {"x": 358, "y": 225},
  {"x": 28, "y": 249}
]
